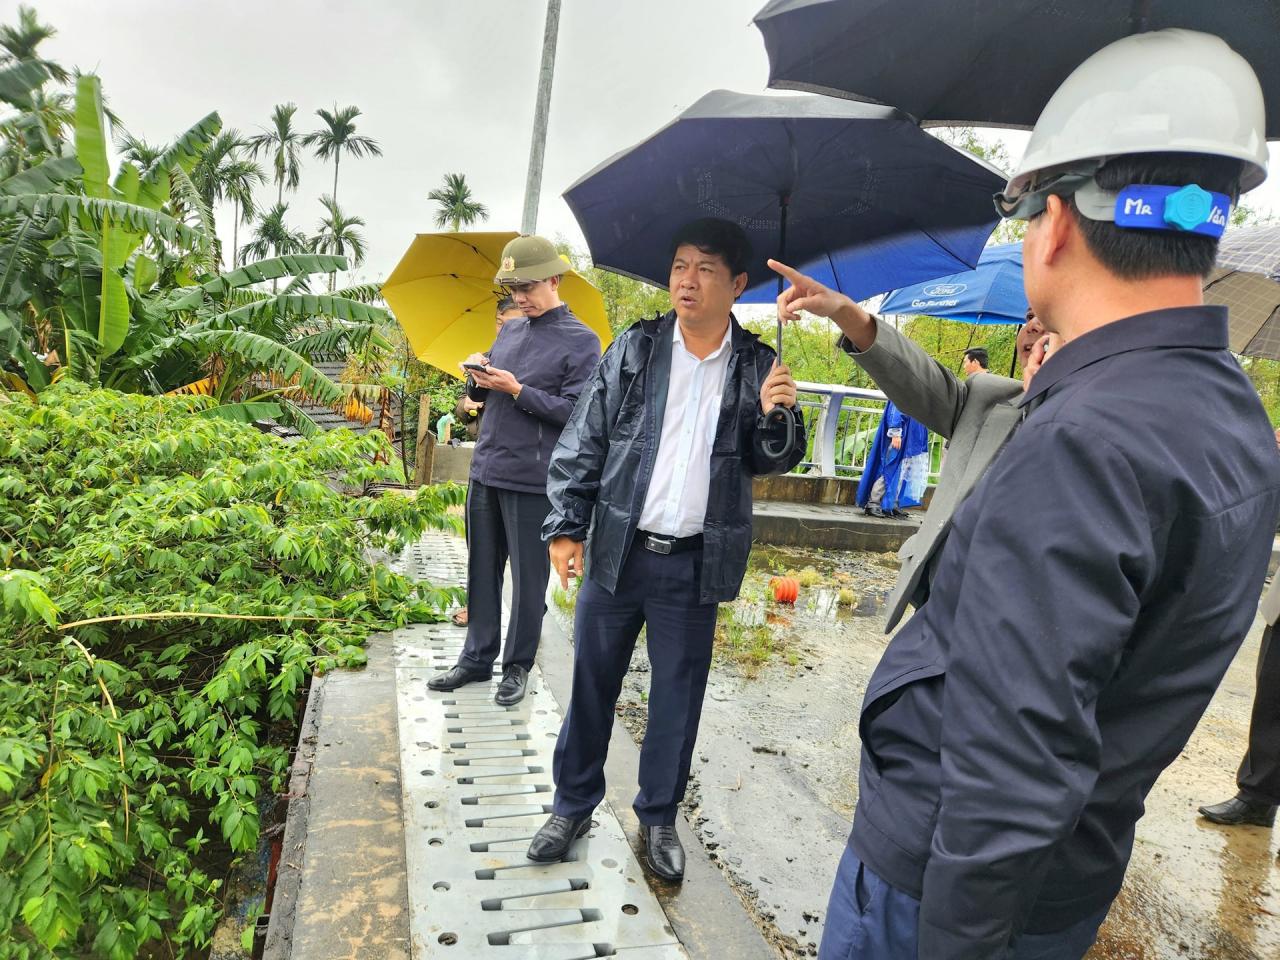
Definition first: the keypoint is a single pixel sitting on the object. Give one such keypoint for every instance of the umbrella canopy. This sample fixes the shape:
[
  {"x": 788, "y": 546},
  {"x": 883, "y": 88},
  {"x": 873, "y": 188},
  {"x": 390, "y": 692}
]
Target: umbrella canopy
[
  {"x": 1245, "y": 281},
  {"x": 853, "y": 194},
  {"x": 985, "y": 63},
  {"x": 443, "y": 294},
  {"x": 990, "y": 293}
]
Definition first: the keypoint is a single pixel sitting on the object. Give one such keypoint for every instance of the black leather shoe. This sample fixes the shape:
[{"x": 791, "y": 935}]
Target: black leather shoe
[
  {"x": 459, "y": 676},
  {"x": 511, "y": 689},
  {"x": 1239, "y": 810},
  {"x": 872, "y": 510},
  {"x": 663, "y": 852},
  {"x": 551, "y": 843}
]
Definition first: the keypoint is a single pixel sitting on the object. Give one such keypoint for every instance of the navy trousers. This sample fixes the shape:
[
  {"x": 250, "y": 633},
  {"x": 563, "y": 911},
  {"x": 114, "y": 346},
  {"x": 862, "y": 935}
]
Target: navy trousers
[
  {"x": 1259, "y": 776},
  {"x": 869, "y": 920},
  {"x": 504, "y": 524},
  {"x": 661, "y": 594}
]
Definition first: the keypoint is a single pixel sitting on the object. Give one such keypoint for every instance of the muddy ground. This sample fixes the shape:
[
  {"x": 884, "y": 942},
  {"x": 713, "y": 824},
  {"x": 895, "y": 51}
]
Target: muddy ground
[{"x": 775, "y": 777}]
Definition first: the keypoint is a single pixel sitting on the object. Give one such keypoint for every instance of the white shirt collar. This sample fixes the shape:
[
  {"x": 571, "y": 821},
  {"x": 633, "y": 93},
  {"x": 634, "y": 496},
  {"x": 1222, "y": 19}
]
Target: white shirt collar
[{"x": 677, "y": 336}]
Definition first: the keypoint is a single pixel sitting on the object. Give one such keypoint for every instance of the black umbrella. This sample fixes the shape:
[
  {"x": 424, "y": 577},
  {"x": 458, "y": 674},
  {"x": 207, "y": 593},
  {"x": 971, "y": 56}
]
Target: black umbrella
[
  {"x": 854, "y": 194},
  {"x": 987, "y": 62}
]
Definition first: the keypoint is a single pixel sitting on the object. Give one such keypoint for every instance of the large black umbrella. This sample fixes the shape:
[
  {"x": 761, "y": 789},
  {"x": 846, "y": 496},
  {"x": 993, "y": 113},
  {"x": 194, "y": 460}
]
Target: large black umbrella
[
  {"x": 854, "y": 194},
  {"x": 987, "y": 62}
]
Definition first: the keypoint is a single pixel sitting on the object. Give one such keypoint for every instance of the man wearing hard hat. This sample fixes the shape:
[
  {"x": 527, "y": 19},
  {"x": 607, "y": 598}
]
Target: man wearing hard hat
[
  {"x": 1013, "y": 729},
  {"x": 529, "y": 382}
]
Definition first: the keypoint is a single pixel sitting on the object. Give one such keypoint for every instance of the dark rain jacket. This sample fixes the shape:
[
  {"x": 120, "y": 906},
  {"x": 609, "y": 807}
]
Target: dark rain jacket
[
  {"x": 552, "y": 356},
  {"x": 1094, "y": 588},
  {"x": 601, "y": 468}
]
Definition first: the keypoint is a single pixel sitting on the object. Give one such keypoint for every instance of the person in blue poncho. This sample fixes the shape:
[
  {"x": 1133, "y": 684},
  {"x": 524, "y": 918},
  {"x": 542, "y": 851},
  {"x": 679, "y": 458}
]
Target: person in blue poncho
[{"x": 897, "y": 466}]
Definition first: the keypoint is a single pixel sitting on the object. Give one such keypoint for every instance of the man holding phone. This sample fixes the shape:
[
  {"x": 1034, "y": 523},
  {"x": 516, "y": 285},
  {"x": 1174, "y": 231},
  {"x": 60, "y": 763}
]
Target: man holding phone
[{"x": 528, "y": 384}]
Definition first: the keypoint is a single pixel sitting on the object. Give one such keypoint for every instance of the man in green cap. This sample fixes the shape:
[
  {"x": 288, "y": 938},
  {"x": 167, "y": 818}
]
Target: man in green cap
[{"x": 529, "y": 383}]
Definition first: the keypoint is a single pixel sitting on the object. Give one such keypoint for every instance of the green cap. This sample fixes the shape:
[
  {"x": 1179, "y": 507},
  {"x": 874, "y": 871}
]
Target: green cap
[{"x": 529, "y": 258}]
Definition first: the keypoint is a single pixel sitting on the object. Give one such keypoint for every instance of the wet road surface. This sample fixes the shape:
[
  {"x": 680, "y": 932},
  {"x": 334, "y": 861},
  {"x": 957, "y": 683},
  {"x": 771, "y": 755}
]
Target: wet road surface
[{"x": 775, "y": 780}]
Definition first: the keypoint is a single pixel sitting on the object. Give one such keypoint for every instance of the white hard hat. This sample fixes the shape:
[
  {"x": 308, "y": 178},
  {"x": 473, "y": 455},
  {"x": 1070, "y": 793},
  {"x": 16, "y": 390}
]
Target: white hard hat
[{"x": 1167, "y": 91}]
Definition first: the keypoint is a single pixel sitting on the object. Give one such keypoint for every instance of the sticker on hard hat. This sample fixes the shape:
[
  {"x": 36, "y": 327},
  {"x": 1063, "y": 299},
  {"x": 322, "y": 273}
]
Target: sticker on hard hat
[{"x": 1188, "y": 209}]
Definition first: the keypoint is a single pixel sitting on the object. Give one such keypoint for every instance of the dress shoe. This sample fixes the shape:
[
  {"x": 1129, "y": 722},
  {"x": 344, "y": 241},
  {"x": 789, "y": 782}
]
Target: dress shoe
[
  {"x": 873, "y": 510},
  {"x": 511, "y": 689},
  {"x": 1239, "y": 810},
  {"x": 663, "y": 852},
  {"x": 551, "y": 843},
  {"x": 459, "y": 676}
]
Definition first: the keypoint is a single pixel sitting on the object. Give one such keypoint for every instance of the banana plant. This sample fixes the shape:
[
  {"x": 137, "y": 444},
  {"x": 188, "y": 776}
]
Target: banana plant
[{"x": 149, "y": 189}]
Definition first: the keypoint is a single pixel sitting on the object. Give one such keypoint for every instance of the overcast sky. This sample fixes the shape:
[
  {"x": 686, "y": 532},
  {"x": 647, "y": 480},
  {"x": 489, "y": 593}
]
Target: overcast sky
[{"x": 445, "y": 87}]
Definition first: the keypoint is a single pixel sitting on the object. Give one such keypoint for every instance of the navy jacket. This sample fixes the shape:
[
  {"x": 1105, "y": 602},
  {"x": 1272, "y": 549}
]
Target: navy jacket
[
  {"x": 1094, "y": 588},
  {"x": 552, "y": 356},
  {"x": 601, "y": 468}
]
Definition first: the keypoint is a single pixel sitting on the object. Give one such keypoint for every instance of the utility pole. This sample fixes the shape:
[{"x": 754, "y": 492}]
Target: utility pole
[{"x": 533, "y": 185}]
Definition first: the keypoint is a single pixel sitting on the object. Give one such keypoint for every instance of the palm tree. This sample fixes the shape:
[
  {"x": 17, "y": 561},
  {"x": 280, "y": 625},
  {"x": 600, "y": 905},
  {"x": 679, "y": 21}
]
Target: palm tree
[
  {"x": 282, "y": 143},
  {"x": 138, "y": 150},
  {"x": 274, "y": 238},
  {"x": 19, "y": 43},
  {"x": 339, "y": 137},
  {"x": 457, "y": 209},
  {"x": 338, "y": 236},
  {"x": 225, "y": 173},
  {"x": 240, "y": 176}
]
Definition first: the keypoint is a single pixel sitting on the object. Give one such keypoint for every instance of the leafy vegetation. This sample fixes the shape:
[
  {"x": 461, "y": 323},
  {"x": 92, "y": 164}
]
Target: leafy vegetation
[
  {"x": 112, "y": 277},
  {"x": 168, "y": 583}
]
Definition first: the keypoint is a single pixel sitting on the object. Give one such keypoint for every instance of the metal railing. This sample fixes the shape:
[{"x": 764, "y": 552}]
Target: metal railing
[{"x": 841, "y": 422}]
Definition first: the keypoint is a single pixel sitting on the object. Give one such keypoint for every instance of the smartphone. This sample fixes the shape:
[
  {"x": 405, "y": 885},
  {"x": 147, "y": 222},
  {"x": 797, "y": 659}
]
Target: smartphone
[{"x": 475, "y": 366}]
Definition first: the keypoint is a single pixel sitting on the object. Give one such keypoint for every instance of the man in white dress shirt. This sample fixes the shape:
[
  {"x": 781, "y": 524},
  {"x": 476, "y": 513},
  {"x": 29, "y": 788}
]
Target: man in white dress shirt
[{"x": 656, "y": 465}]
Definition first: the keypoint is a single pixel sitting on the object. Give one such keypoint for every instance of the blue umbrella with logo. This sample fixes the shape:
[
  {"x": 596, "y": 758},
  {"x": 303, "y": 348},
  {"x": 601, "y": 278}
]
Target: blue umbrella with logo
[{"x": 990, "y": 293}]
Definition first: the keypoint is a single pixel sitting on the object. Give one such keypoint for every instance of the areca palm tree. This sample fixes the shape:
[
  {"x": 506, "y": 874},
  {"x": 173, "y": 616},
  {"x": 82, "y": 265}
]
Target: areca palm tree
[
  {"x": 338, "y": 137},
  {"x": 226, "y": 173},
  {"x": 282, "y": 143},
  {"x": 138, "y": 150},
  {"x": 18, "y": 43},
  {"x": 274, "y": 238},
  {"x": 338, "y": 236},
  {"x": 456, "y": 206}
]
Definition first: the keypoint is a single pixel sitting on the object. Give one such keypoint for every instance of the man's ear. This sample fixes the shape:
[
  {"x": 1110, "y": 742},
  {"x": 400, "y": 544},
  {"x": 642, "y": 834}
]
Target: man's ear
[
  {"x": 1058, "y": 224},
  {"x": 555, "y": 282},
  {"x": 739, "y": 284}
]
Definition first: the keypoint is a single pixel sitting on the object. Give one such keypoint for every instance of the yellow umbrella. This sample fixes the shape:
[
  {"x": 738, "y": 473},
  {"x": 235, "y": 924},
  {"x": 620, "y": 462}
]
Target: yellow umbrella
[{"x": 443, "y": 294}]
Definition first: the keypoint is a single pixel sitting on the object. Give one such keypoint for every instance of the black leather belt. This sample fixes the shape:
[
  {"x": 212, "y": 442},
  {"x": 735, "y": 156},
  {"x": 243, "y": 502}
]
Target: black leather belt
[{"x": 660, "y": 543}]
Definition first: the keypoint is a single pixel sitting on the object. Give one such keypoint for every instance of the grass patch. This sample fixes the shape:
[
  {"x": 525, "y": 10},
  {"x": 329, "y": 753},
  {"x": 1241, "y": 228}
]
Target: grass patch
[
  {"x": 749, "y": 645},
  {"x": 565, "y": 600},
  {"x": 809, "y": 577}
]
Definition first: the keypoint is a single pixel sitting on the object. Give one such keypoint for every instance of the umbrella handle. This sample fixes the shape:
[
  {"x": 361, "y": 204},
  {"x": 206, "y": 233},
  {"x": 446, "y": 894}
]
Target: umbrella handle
[{"x": 779, "y": 419}]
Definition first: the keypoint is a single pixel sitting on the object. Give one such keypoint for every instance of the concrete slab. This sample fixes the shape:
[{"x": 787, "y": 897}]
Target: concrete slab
[
  {"x": 351, "y": 900},
  {"x": 829, "y": 527}
]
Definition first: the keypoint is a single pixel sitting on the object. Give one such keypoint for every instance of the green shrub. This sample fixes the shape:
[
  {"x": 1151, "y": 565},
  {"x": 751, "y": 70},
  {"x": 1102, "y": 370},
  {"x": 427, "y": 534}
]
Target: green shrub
[{"x": 169, "y": 580}]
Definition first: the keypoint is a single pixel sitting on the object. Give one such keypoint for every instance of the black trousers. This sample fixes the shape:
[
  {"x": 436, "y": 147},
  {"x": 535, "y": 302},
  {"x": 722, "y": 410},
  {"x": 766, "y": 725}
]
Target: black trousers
[
  {"x": 661, "y": 594},
  {"x": 1259, "y": 776},
  {"x": 504, "y": 524}
]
